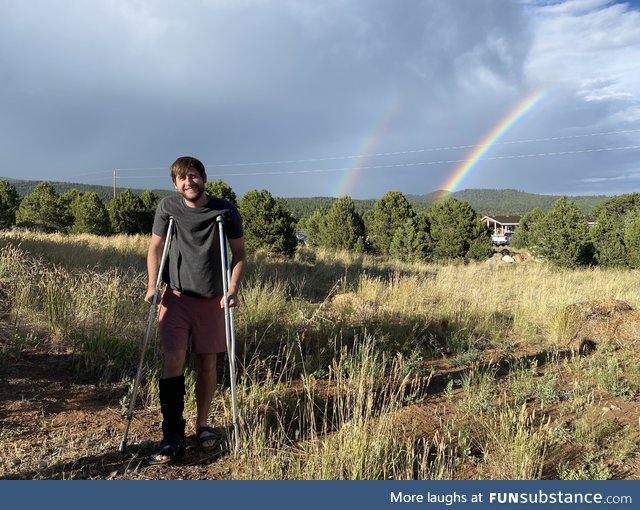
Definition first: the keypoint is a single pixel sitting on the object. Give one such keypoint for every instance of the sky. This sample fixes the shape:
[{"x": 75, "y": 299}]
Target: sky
[{"x": 324, "y": 98}]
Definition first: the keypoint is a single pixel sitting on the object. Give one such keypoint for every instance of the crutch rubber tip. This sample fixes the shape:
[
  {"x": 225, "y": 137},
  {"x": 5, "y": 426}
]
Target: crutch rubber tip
[{"x": 123, "y": 447}]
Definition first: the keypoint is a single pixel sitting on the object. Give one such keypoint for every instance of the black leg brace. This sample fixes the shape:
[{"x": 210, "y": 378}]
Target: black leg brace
[{"x": 172, "y": 405}]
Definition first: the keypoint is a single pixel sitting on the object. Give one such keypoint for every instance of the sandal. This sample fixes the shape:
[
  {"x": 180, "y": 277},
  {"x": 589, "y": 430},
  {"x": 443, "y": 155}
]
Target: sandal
[
  {"x": 208, "y": 439},
  {"x": 172, "y": 448}
]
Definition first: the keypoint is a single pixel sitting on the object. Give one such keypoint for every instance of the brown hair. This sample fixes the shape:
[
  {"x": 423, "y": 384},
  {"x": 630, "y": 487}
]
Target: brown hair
[{"x": 183, "y": 164}]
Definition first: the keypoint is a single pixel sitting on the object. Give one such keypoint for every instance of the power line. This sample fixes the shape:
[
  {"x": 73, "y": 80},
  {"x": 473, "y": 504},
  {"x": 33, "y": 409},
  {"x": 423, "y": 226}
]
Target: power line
[
  {"x": 356, "y": 156},
  {"x": 427, "y": 163},
  {"x": 416, "y": 151},
  {"x": 405, "y": 165}
]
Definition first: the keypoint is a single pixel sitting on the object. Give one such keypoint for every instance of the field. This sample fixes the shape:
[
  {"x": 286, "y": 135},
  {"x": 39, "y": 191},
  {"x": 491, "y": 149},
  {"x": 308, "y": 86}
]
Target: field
[{"x": 351, "y": 367}]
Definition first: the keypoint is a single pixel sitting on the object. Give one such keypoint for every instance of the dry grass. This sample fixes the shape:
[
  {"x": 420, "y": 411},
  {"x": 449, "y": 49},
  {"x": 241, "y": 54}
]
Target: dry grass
[{"x": 335, "y": 347}]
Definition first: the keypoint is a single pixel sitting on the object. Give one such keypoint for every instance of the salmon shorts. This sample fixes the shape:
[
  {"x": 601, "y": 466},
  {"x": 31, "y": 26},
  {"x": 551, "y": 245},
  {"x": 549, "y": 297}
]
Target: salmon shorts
[{"x": 183, "y": 317}]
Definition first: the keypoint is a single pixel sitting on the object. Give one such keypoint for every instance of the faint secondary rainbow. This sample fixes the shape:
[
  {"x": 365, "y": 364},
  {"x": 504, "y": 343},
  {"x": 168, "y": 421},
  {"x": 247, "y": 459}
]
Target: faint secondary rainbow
[
  {"x": 347, "y": 184},
  {"x": 488, "y": 140}
]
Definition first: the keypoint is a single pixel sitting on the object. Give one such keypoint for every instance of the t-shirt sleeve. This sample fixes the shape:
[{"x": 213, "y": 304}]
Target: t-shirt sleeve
[
  {"x": 234, "y": 228},
  {"x": 161, "y": 219}
]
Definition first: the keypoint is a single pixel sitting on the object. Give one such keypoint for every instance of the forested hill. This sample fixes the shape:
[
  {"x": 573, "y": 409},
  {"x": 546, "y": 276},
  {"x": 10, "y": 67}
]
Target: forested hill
[
  {"x": 484, "y": 201},
  {"x": 507, "y": 201},
  {"x": 104, "y": 192}
]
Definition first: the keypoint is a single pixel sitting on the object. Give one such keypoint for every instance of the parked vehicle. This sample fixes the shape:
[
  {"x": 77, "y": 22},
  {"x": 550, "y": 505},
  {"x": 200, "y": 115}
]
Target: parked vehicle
[{"x": 501, "y": 239}]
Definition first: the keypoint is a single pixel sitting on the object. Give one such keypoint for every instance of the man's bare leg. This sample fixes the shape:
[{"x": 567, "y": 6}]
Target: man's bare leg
[{"x": 206, "y": 380}]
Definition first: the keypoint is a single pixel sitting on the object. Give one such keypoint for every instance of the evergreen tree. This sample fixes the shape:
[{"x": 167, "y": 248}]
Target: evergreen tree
[
  {"x": 221, "y": 189},
  {"x": 127, "y": 213},
  {"x": 42, "y": 210},
  {"x": 456, "y": 231},
  {"x": 522, "y": 237},
  {"x": 632, "y": 238},
  {"x": 267, "y": 223},
  {"x": 342, "y": 228},
  {"x": 618, "y": 206},
  {"x": 562, "y": 235},
  {"x": 389, "y": 213},
  {"x": 607, "y": 236},
  {"x": 9, "y": 203},
  {"x": 67, "y": 213},
  {"x": 150, "y": 201},
  {"x": 412, "y": 241},
  {"x": 90, "y": 215},
  {"x": 314, "y": 226}
]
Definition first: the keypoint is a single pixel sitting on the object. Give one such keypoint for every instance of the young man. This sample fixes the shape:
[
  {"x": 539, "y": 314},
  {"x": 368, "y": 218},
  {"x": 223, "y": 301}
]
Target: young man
[{"x": 192, "y": 306}]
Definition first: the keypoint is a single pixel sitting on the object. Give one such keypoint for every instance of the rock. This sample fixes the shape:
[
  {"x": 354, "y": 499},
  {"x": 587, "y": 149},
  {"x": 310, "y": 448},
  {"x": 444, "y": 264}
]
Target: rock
[{"x": 508, "y": 259}]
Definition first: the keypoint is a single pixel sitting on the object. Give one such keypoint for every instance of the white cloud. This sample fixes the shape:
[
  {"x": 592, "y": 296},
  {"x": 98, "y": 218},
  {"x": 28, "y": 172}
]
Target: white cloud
[{"x": 591, "y": 48}]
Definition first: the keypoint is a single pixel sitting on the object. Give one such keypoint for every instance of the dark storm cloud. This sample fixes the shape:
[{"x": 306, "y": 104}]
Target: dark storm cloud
[{"x": 89, "y": 87}]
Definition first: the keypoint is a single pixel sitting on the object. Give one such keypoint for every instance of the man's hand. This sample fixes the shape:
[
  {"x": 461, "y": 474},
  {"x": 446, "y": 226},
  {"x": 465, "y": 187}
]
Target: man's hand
[
  {"x": 151, "y": 296},
  {"x": 231, "y": 298}
]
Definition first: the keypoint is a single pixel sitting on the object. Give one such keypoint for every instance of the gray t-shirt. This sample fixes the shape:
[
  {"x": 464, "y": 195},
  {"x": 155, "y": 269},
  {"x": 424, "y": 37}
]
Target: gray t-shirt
[{"x": 194, "y": 265}]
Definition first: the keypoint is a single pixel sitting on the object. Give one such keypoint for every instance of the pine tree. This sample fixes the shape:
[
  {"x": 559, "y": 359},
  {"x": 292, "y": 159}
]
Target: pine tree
[
  {"x": 9, "y": 203},
  {"x": 523, "y": 237},
  {"x": 221, "y": 189},
  {"x": 127, "y": 213},
  {"x": 457, "y": 232},
  {"x": 342, "y": 228},
  {"x": 150, "y": 201},
  {"x": 562, "y": 235},
  {"x": 90, "y": 215},
  {"x": 267, "y": 223},
  {"x": 41, "y": 210},
  {"x": 314, "y": 226},
  {"x": 608, "y": 238},
  {"x": 412, "y": 241},
  {"x": 632, "y": 238},
  {"x": 389, "y": 213}
]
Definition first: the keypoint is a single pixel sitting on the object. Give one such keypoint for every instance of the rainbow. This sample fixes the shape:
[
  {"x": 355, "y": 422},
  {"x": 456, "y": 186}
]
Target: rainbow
[
  {"x": 490, "y": 139},
  {"x": 347, "y": 184}
]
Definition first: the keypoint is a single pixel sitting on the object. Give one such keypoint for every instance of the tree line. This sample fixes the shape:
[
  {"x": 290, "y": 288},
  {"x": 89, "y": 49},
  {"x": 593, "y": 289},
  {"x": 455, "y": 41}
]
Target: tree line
[{"x": 392, "y": 226}]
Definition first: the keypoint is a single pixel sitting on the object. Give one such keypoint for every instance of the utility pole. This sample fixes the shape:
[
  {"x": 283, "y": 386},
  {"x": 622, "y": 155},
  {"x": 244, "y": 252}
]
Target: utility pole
[{"x": 114, "y": 184}]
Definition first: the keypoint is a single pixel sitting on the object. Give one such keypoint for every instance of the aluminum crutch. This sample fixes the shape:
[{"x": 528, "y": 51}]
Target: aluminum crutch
[
  {"x": 152, "y": 313},
  {"x": 229, "y": 326}
]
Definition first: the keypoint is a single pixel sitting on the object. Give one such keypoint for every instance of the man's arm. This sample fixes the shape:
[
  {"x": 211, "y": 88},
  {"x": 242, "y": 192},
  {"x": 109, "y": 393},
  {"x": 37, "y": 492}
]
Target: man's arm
[
  {"x": 238, "y": 263},
  {"x": 154, "y": 255}
]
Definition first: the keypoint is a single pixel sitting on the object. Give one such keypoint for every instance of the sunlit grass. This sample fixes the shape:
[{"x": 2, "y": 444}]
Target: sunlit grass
[{"x": 333, "y": 346}]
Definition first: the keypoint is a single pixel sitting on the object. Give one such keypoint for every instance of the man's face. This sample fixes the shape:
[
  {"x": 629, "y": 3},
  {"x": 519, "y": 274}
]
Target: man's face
[{"x": 191, "y": 186}]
